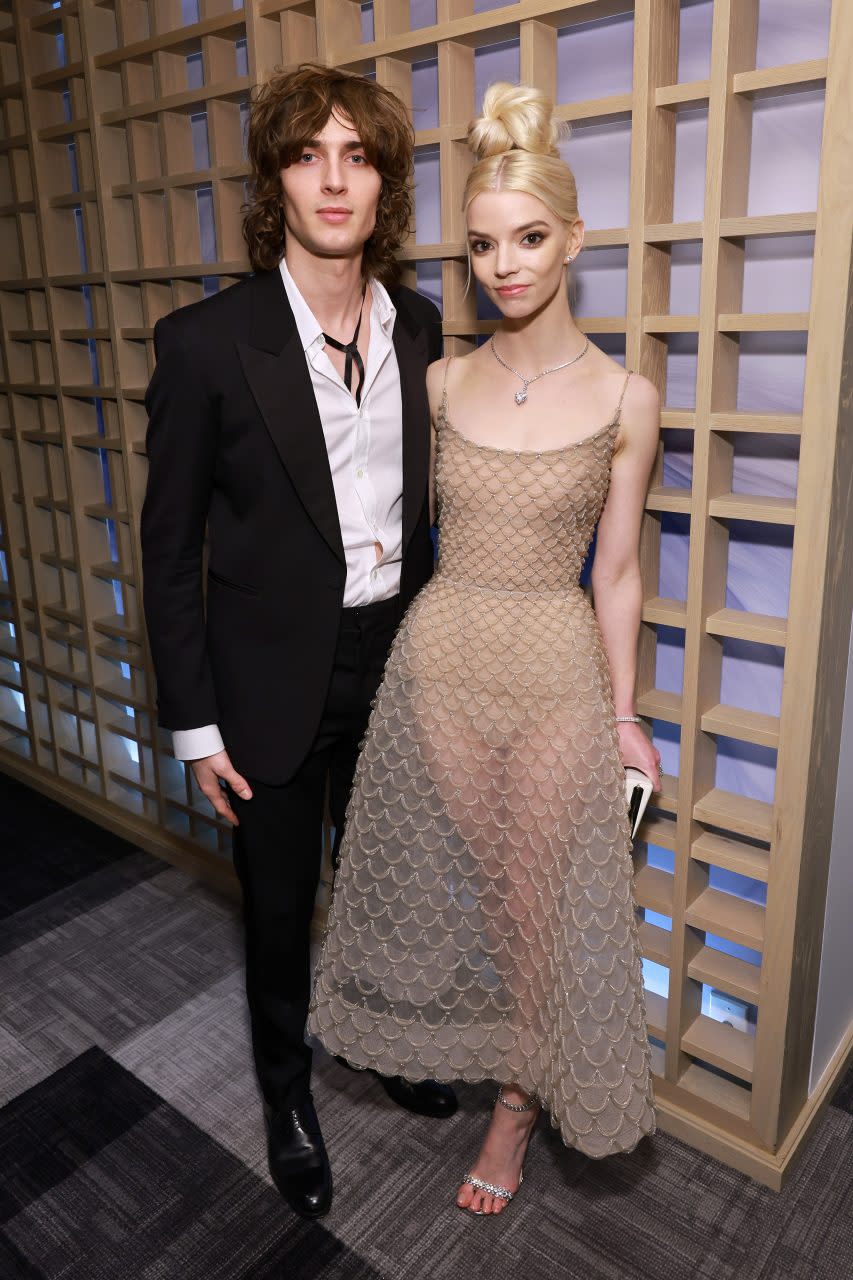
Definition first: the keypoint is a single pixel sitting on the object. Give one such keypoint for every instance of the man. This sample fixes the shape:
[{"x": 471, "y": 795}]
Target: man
[{"x": 289, "y": 415}]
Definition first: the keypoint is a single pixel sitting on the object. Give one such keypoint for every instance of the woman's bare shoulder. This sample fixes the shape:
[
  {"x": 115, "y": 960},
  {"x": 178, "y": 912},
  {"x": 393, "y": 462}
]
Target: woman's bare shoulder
[
  {"x": 642, "y": 397},
  {"x": 440, "y": 371},
  {"x": 639, "y": 418},
  {"x": 435, "y": 373}
]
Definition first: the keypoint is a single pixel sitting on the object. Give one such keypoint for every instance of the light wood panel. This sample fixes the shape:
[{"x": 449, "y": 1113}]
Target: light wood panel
[{"x": 122, "y": 173}]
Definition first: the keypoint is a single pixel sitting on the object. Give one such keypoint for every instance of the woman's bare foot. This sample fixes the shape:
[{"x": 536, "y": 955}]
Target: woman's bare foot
[{"x": 502, "y": 1153}]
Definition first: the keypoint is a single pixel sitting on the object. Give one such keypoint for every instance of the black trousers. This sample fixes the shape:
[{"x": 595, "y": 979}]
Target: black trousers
[{"x": 278, "y": 850}]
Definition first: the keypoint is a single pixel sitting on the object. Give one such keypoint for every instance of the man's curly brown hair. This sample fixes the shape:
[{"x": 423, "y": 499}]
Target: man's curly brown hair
[{"x": 290, "y": 109}]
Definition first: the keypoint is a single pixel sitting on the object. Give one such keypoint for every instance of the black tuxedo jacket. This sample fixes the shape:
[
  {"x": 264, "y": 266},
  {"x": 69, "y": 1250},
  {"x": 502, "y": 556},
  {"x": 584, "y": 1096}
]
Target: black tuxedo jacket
[{"x": 235, "y": 444}]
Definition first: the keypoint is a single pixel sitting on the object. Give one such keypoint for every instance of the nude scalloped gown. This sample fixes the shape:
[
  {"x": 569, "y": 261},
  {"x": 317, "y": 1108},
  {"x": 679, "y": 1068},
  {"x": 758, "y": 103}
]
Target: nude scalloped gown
[{"x": 482, "y": 924}]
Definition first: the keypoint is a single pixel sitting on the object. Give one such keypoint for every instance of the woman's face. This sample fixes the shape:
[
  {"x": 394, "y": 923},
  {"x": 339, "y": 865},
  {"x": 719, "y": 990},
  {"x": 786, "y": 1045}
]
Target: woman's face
[{"x": 518, "y": 248}]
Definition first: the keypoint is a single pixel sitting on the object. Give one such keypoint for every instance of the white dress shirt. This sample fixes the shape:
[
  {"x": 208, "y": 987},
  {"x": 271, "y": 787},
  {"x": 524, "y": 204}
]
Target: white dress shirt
[{"x": 365, "y": 448}]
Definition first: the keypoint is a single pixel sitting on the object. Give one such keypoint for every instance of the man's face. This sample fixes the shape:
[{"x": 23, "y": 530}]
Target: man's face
[{"x": 331, "y": 192}]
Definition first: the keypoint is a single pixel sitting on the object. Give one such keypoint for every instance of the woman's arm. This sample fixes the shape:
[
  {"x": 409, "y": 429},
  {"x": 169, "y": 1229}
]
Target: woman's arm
[
  {"x": 616, "y": 582},
  {"x": 434, "y": 383}
]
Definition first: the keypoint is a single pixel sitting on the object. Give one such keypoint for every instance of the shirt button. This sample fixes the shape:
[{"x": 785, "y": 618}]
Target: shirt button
[{"x": 360, "y": 472}]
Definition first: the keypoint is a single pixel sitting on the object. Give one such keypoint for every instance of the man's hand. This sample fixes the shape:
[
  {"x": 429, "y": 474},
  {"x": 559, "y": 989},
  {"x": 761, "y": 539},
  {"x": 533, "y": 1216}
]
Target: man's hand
[{"x": 208, "y": 771}]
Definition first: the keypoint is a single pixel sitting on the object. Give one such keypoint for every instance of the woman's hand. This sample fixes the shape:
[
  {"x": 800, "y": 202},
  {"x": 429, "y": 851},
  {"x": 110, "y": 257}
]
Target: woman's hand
[{"x": 637, "y": 749}]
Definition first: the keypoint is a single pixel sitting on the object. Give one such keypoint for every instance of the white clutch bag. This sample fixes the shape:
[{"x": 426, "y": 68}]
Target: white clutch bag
[{"x": 638, "y": 788}]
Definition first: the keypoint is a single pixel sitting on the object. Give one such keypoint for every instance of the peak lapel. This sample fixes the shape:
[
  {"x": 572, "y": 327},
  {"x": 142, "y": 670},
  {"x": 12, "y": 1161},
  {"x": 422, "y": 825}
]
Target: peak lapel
[{"x": 277, "y": 372}]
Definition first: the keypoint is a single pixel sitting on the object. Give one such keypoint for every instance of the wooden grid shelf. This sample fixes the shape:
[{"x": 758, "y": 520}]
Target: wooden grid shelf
[
  {"x": 761, "y": 628},
  {"x": 727, "y": 972},
  {"x": 746, "y": 726},
  {"x": 122, "y": 173},
  {"x": 732, "y": 855},
  {"x": 764, "y": 510},
  {"x": 733, "y": 812},
  {"x": 667, "y": 612},
  {"x": 730, "y": 917},
  {"x": 660, "y": 704},
  {"x": 653, "y": 889},
  {"x": 724, "y": 1047},
  {"x": 656, "y": 1013},
  {"x": 656, "y": 943}
]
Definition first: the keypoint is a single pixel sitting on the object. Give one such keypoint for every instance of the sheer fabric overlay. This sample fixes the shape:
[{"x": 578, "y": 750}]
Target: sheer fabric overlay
[{"x": 482, "y": 924}]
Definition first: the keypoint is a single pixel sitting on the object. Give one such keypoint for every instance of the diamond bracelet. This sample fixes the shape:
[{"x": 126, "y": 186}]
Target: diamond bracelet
[{"x": 628, "y": 720}]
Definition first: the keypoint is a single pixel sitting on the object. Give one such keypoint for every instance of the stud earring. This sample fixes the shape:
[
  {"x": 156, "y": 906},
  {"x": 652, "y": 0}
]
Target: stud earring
[{"x": 568, "y": 259}]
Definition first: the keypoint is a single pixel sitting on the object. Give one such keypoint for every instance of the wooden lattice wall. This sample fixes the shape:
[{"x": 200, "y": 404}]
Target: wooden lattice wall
[{"x": 123, "y": 125}]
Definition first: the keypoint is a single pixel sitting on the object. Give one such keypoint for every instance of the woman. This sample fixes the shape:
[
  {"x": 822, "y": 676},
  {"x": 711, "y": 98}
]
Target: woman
[{"x": 483, "y": 924}]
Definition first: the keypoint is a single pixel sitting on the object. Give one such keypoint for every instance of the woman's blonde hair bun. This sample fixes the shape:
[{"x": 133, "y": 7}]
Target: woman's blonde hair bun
[
  {"x": 515, "y": 146},
  {"x": 515, "y": 117}
]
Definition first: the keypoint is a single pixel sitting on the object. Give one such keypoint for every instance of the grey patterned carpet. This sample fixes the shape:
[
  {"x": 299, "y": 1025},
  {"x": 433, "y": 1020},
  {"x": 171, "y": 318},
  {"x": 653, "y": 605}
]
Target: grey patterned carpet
[{"x": 131, "y": 1143}]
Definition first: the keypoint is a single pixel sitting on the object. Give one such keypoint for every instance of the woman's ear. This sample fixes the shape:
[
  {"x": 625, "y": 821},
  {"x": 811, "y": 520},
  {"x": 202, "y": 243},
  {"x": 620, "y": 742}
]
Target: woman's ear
[{"x": 574, "y": 241}]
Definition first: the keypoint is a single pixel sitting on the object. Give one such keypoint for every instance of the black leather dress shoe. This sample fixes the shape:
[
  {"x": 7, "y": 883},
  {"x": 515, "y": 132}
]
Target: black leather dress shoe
[
  {"x": 298, "y": 1161},
  {"x": 427, "y": 1098}
]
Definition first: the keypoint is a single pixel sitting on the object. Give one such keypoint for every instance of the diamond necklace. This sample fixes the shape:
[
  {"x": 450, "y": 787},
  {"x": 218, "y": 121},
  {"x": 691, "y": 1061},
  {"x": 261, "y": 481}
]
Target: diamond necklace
[{"x": 521, "y": 396}]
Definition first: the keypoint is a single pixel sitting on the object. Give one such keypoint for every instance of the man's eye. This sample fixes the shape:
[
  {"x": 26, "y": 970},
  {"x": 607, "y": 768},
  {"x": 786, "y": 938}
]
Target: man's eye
[
  {"x": 359, "y": 158},
  {"x": 306, "y": 155}
]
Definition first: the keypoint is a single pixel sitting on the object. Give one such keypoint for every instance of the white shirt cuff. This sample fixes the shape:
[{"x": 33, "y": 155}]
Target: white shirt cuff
[{"x": 194, "y": 744}]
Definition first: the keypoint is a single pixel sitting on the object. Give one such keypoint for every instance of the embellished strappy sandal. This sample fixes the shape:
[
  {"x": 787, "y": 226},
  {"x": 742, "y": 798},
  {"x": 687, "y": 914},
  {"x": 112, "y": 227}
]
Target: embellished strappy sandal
[{"x": 480, "y": 1184}]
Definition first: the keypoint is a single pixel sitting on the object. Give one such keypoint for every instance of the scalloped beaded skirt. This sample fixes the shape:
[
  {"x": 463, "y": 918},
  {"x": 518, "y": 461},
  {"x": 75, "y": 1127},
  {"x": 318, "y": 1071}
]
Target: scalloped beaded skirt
[{"x": 482, "y": 923}]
